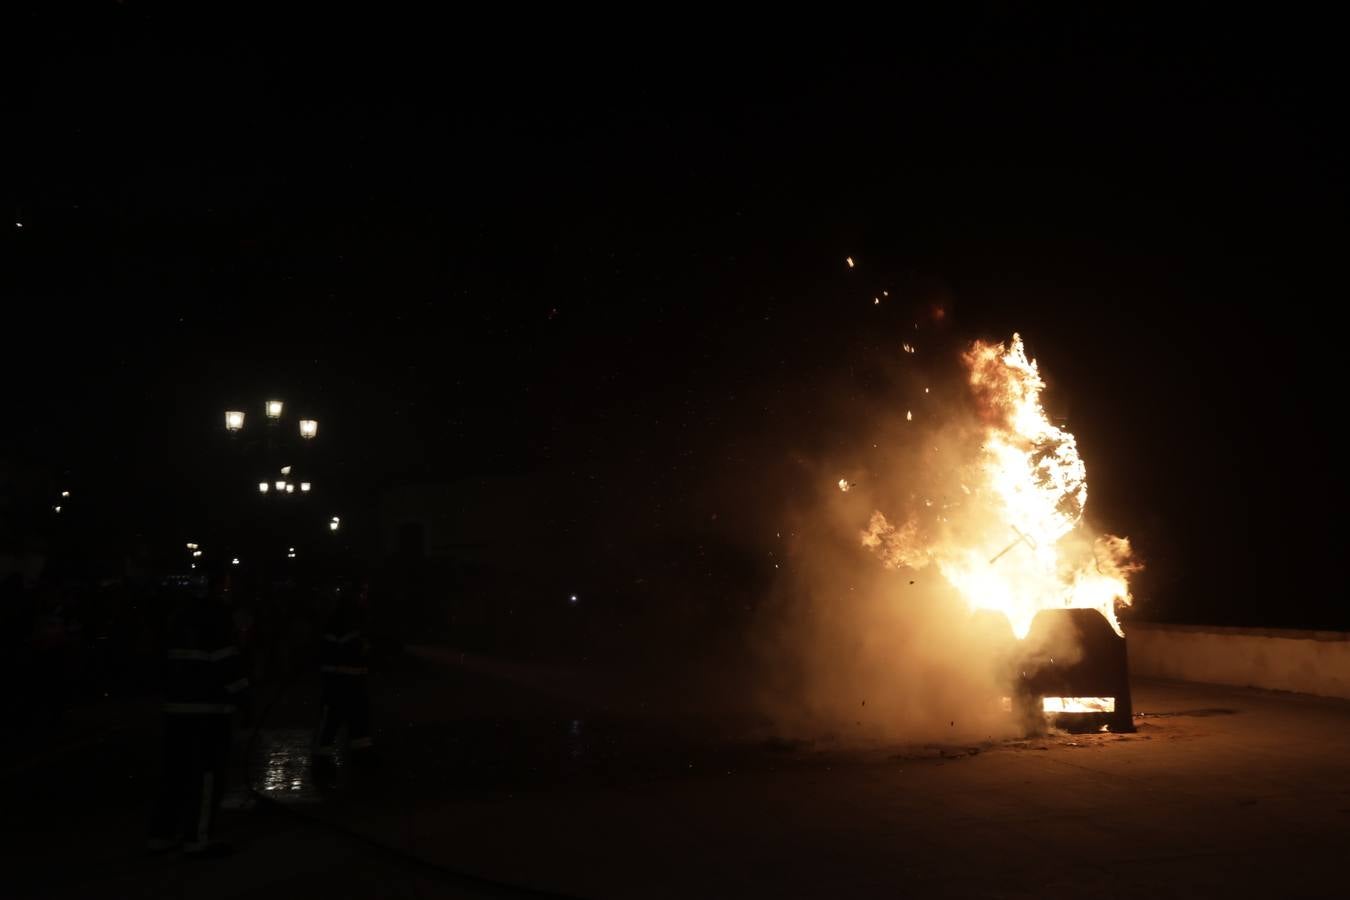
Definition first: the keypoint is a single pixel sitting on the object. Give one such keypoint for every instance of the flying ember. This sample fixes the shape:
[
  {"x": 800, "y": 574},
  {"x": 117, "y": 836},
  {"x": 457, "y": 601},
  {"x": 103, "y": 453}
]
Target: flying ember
[{"x": 1016, "y": 543}]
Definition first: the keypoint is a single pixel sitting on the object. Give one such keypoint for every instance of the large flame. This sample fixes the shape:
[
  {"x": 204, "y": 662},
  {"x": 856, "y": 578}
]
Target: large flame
[{"x": 1016, "y": 542}]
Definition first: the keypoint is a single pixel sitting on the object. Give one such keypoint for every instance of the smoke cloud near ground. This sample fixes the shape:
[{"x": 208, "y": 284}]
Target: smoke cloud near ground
[
  {"x": 738, "y": 586},
  {"x": 853, "y": 648}
]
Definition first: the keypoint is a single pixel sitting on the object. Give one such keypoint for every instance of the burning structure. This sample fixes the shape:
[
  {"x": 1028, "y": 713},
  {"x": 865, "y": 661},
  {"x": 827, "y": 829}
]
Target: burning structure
[{"x": 1014, "y": 544}]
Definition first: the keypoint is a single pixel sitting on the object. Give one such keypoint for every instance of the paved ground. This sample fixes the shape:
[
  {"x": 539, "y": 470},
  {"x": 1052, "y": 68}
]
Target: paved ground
[{"x": 508, "y": 774}]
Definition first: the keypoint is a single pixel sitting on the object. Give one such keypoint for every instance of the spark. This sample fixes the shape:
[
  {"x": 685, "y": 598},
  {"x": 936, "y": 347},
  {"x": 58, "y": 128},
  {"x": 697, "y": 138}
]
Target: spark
[
  {"x": 849, "y": 260},
  {"x": 843, "y": 485},
  {"x": 909, "y": 415}
]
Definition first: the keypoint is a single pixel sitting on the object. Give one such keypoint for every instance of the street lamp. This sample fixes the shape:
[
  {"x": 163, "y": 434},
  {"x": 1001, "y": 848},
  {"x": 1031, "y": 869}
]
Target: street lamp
[
  {"x": 281, "y": 485},
  {"x": 290, "y": 488},
  {"x": 274, "y": 409},
  {"x": 234, "y": 419},
  {"x": 262, "y": 487},
  {"x": 309, "y": 428},
  {"x": 304, "y": 487},
  {"x": 334, "y": 523}
]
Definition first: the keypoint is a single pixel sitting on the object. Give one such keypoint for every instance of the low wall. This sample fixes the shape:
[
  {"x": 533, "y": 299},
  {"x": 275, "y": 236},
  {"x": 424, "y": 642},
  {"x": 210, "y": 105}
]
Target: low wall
[{"x": 1310, "y": 662}]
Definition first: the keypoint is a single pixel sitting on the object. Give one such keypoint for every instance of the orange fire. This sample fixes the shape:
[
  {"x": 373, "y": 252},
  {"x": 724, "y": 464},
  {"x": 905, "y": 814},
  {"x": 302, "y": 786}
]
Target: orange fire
[
  {"x": 1078, "y": 704},
  {"x": 1014, "y": 541}
]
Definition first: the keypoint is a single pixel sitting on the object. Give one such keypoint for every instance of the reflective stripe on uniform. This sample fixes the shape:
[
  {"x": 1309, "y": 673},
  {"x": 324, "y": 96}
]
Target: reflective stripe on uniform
[
  {"x": 203, "y": 655},
  {"x": 344, "y": 670},
  {"x": 198, "y": 708}
]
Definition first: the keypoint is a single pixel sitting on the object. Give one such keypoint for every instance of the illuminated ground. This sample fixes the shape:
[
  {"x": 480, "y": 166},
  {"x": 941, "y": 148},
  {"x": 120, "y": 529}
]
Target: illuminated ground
[{"x": 1222, "y": 792}]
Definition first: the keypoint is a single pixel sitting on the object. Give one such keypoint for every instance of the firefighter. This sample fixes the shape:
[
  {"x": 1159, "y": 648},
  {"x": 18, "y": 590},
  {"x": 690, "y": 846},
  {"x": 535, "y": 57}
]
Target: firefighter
[
  {"x": 343, "y": 670},
  {"x": 204, "y": 685}
]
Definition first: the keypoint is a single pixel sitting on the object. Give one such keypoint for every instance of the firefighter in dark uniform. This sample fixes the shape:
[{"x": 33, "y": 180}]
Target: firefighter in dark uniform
[
  {"x": 344, "y": 669},
  {"x": 204, "y": 685}
]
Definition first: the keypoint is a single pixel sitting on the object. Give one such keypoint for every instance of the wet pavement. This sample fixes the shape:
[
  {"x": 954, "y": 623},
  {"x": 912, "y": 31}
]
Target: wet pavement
[{"x": 494, "y": 780}]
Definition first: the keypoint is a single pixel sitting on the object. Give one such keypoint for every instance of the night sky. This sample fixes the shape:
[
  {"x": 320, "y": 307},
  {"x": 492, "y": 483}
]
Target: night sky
[{"x": 609, "y": 254}]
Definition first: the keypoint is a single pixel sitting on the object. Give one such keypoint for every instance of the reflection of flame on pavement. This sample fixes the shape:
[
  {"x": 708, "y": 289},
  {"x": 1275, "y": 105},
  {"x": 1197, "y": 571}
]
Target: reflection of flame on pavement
[{"x": 1017, "y": 543}]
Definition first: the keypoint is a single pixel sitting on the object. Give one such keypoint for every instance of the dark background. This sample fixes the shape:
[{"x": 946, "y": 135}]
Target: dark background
[{"x": 606, "y": 252}]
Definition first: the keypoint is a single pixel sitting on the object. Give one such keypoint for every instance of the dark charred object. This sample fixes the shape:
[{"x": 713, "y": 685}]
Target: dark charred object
[{"x": 1074, "y": 653}]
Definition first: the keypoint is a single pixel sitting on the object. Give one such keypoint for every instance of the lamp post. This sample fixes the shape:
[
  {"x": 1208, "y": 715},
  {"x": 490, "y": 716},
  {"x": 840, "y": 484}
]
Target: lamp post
[{"x": 271, "y": 445}]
